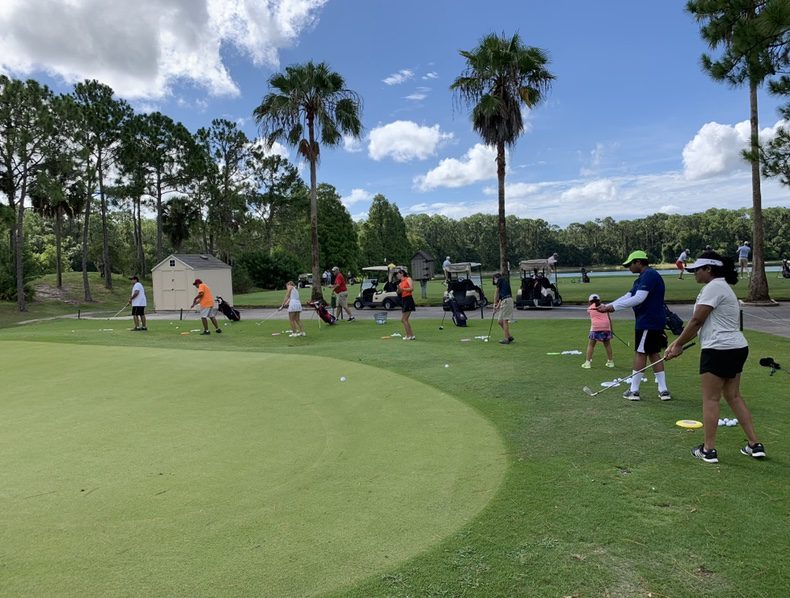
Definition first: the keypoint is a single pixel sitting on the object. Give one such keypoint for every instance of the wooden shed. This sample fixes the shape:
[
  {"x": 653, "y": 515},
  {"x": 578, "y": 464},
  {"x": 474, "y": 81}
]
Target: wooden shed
[
  {"x": 422, "y": 266},
  {"x": 174, "y": 275}
]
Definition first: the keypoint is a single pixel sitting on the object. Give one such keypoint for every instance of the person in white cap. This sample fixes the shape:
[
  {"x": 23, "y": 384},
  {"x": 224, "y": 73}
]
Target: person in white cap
[
  {"x": 716, "y": 319},
  {"x": 600, "y": 332}
]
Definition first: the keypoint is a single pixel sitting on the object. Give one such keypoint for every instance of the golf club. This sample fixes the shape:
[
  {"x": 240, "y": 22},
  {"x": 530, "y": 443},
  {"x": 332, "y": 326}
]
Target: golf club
[
  {"x": 611, "y": 327},
  {"x": 589, "y": 391},
  {"x": 119, "y": 312},
  {"x": 441, "y": 326},
  {"x": 491, "y": 326}
]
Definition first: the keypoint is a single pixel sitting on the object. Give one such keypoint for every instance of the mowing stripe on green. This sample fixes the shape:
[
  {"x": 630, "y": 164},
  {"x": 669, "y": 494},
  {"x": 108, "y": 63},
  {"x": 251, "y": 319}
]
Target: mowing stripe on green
[{"x": 131, "y": 471}]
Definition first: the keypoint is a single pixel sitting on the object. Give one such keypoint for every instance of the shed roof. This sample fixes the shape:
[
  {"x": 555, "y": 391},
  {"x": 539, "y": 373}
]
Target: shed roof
[
  {"x": 424, "y": 255},
  {"x": 197, "y": 261}
]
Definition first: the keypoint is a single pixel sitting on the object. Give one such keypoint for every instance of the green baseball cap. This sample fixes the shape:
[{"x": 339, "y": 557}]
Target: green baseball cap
[{"x": 635, "y": 255}]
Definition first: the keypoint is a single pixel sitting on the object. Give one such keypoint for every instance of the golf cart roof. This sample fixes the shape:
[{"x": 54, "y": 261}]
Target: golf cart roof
[
  {"x": 382, "y": 268},
  {"x": 457, "y": 267},
  {"x": 527, "y": 265}
]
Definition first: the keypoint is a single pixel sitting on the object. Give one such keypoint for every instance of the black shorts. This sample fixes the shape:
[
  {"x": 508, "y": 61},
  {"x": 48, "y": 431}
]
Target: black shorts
[
  {"x": 138, "y": 310},
  {"x": 724, "y": 363},
  {"x": 407, "y": 303},
  {"x": 650, "y": 342}
]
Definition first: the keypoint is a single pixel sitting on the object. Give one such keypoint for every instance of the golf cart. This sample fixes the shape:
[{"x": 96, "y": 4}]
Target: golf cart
[
  {"x": 378, "y": 287},
  {"x": 304, "y": 281},
  {"x": 464, "y": 282},
  {"x": 536, "y": 289}
]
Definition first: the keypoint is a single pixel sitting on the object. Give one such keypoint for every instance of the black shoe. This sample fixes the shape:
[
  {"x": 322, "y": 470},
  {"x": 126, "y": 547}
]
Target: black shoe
[
  {"x": 144, "y": 329},
  {"x": 218, "y": 331},
  {"x": 505, "y": 341},
  {"x": 710, "y": 456},
  {"x": 756, "y": 450},
  {"x": 205, "y": 332},
  {"x": 511, "y": 339},
  {"x": 351, "y": 319}
]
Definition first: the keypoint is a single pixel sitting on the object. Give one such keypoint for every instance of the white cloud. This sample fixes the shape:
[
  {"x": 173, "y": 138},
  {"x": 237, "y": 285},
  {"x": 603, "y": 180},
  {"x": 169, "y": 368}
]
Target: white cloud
[
  {"x": 277, "y": 149},
  {"x": 716, "y": 149},
  {"x": 416, "y": 96},
  {"x": 669, "y": 209},
  {"x": 141, "y": 48},
  {"x": 594, "y": 162},
  {"x": 478, "y": 164},
  {"x": 602, "y": 189},
  {"x": 352, "y": 144},
  {"x": 356, "y": 196},
  {"x": 431, "y": 75},
  {"x": 404, "y": 140},
  {"x": 514, "y": 190},
  {"x": 401, "y": 76}
]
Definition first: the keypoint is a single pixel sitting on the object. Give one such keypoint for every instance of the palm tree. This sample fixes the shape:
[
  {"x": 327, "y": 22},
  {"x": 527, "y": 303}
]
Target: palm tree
[
  {"x": 753, "y": 36},
  {"x": 502, "y": 74},
  {"x": 309, "y": 99}
]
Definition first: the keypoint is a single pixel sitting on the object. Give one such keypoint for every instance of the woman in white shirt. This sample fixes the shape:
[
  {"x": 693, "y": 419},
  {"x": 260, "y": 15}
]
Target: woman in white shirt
[
  {"x": 724, "y": 350},
  {"x": 294, "y": 305}
]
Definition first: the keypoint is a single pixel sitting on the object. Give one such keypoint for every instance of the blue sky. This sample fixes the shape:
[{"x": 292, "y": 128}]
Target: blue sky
[{"x": 630, "y": 127}]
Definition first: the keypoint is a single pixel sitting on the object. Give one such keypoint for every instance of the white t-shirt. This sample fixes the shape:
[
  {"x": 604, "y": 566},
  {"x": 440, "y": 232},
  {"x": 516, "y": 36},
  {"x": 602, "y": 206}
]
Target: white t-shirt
[
  {"x": 721, "y": 330},
  {"x": 683, "y": 257},
  {"x": 140, "y": 300}
]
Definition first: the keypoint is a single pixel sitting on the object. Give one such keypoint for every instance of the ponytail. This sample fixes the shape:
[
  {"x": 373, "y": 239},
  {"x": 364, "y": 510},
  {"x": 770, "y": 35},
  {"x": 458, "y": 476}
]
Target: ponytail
[{"x": 727, "y": 271}]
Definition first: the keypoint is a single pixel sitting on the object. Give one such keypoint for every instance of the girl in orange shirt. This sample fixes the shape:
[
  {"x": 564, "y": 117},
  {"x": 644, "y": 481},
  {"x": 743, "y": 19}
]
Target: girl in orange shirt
[{"x": 406, "y": 292}]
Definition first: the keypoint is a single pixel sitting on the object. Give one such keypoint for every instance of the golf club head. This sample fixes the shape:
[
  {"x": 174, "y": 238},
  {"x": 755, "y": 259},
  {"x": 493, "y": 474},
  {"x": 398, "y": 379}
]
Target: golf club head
[{"x": 589, "y": 391}]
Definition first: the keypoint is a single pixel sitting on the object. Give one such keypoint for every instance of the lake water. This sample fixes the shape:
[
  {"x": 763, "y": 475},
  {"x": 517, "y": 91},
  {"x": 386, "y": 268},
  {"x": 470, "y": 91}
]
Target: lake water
[{"x": 667, "y": 272}]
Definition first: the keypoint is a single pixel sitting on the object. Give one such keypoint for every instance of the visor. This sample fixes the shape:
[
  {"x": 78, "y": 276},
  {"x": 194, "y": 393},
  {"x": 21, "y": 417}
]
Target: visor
[{"x": 703, "y": 262}]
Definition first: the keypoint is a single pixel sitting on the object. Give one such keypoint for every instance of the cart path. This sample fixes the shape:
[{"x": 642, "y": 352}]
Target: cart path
[{"x": 773, "y": 320}]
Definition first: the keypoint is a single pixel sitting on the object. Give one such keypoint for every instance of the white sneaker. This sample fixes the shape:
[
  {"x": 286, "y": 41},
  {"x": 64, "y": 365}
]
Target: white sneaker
[
  {"x": 610, "y": 364},
  {"x": 587, "y": 365}
]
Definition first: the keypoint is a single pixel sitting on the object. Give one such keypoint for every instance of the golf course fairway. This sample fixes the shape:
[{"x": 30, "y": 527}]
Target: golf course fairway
[{"x": 167, "y": 472}]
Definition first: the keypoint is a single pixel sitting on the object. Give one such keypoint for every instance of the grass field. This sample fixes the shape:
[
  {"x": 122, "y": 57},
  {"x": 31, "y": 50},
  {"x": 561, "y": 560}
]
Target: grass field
[
  {"x": 599, "y": 496},
  {"x": 608, "y": 287}
]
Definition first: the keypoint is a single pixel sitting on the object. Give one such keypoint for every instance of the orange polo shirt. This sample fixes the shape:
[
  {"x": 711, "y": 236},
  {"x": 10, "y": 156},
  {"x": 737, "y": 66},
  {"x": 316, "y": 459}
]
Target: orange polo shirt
[{"x": 207, "y": 300}]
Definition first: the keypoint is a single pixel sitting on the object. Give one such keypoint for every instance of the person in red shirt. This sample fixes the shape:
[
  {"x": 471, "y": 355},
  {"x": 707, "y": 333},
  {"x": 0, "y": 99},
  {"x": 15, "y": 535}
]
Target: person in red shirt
[
  {"x": 406, "y": 293},
  {"x": 341, "y": 295}
]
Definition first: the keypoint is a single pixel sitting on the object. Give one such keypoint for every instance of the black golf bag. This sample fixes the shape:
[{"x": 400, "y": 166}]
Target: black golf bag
[
  {"x": 786, "y": 268},
  {"x": 323, "y": 312},
  {"x": 227, "y": 310},
  {"x": 674, "y": 323},
  {"x": 459, "y": 317}
]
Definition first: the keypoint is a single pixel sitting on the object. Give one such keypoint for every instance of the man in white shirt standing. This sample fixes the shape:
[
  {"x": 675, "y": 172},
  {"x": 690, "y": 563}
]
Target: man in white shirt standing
[
  {"x": 743, "y": 257},
  {"x": 138, "y": 303},
  {"x": 445, "y": 267}
]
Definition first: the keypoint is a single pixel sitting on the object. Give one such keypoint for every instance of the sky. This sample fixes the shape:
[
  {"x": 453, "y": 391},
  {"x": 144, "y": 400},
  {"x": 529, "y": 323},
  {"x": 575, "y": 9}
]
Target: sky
[{"x": 631, "y": 125}]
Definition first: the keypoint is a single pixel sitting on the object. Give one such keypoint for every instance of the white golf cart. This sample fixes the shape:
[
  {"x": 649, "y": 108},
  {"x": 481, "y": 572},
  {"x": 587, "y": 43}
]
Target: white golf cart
[
  {"x": 464, "y": 285},
  {"x": 536, "y": 289},
  {"x": 378, "y": 287}
]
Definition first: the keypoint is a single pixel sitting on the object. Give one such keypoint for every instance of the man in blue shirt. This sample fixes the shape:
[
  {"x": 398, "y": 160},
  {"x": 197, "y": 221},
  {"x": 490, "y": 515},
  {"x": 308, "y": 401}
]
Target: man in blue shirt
[
  {"x": 743, "y": 256},
  {"x": 646, "y": 297},
  {"x": 503, "y": 303}
]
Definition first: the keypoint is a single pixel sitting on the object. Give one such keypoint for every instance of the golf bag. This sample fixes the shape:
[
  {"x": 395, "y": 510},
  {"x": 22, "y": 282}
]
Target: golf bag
[
  {"x": 785, "y": 268},
  {"x": 227, "y": 310},
  {"x": 323, "y": 312},
  {"x": 459, "y": 317},
  {"x": 674, "y": 324}
]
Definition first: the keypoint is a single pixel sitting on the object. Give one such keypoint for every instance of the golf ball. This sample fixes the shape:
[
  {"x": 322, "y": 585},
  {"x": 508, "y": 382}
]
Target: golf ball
[
  {"x": 343, "y": 378},
  {"x": 447, "y": 365},
  {"x": 485, "y": 340}
]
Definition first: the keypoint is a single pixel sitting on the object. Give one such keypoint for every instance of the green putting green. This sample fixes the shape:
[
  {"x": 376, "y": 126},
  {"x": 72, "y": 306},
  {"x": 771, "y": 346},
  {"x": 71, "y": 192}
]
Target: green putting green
[{"x": 147, "y": 471}]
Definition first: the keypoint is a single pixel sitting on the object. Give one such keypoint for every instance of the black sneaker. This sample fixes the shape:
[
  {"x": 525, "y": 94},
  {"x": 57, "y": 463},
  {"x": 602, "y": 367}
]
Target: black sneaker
[
  {"x": 505, "y": 341},
  {"x": 664, "y": 395},
  {"x": 205, "y": 332},
  {"x": 351, "y": 318},
  {"x": 710, "y": 456},
  {"x": 511, "y": 339},
  {"x": 144, "y": 328},
  {"x": 756, "y": 450},
  {"x": 218, "y": 331},
  {"x": 632, "y": 395}
]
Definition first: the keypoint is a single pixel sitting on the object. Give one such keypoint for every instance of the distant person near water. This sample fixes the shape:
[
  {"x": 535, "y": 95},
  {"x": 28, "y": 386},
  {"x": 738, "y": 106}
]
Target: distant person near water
[{"x": 743, "y": 257}]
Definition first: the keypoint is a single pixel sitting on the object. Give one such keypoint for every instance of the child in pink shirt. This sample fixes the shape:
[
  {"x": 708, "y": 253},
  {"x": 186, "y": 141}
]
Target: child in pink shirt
[{"x": 600, "y": 330}]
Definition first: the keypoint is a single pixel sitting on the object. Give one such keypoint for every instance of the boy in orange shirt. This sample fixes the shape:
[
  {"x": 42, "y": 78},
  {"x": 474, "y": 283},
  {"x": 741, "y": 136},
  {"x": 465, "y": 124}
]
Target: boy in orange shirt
[{"x": 600, "y": 331}]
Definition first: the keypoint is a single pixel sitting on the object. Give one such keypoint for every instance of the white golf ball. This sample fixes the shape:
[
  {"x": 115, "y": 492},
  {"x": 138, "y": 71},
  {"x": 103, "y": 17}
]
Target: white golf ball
[
  {"x": 447, "y": 365},
  {"x": 343, "y": 378},
  {"x": 485, "y": 340}
]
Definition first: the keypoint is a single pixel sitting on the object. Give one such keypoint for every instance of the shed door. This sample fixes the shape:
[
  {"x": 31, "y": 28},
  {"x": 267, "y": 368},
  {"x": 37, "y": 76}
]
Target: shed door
[{"x": 175, "y": 289}]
